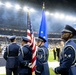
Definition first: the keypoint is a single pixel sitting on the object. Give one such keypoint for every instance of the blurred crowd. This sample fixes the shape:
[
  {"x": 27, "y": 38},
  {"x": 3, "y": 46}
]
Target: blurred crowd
[{"x": 56, "y": 48}]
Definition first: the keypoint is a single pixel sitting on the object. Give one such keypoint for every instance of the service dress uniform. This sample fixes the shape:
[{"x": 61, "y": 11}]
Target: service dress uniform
[
  {"x": 54, "y": 53},
  {"x": 42, "y": 67},
  {"x": 58, "y": 52},
  {"x": 25, "y": 58},
  {"x": 11, "y": 57},
  {"x": 67, "y": 58}
]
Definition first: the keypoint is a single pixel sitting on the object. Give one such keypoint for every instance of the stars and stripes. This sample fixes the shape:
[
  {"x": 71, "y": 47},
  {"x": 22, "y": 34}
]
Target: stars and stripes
[{"x": 32, "y": 43}]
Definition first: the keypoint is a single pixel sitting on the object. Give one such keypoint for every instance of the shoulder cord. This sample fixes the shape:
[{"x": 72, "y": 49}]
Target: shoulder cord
[
  {"x": 7, "y": 50},
  {"x": 43, "y": 52},
  {"x": 22, "y": 52}
]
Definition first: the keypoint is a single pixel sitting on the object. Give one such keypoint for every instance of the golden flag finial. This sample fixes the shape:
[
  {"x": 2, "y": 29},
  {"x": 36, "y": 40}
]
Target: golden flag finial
[{"x": 43, "y": 5}]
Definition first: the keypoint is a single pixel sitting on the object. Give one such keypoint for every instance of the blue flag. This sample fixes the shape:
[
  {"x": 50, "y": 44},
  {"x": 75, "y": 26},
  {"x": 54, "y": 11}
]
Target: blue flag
[{"x": 43, "y": 28}]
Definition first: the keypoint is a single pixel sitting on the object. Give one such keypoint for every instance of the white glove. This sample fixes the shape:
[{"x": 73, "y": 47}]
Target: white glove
[
  {"x": 53, "y": 68},
  {"x": 30, "y": 65}
]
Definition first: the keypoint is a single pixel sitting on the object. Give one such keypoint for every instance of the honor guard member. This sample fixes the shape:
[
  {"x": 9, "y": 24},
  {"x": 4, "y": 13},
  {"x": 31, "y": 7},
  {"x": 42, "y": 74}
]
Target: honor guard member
[
  {"x": 25, "y": 58},
  {"x": 11, "y": 57},
  {"x": 67, "y": 58},
  {"x": 42, "y": 58},
  {"x": 54, "y": 53}
]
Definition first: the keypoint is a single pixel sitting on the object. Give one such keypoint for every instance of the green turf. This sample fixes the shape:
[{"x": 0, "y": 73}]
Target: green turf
[
  {"x": 52, "y": 72},
  {"x": 51, "y": 57}
]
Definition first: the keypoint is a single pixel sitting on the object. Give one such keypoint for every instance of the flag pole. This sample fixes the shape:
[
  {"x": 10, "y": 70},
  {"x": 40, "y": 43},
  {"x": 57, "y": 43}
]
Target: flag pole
[
  {"x": 43, "y": 7},
  {"x": 31, "y": 37},
  {"x": 43, "y": 26}
]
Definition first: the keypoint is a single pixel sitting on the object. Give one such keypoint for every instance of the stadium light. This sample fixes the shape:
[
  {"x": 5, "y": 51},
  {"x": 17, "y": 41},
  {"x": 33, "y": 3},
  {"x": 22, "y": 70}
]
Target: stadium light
[
  {"x": 32, "y": 10},
  {"x": 69, "y": 18},
  {"x": 74, "y": 19},
  {"x": 25, "y": 9},
  {"x": 56, "y": 15},
  {"x": 51, "y": 14},
  {"x": 17, "y": 7},
  {"x": 66, "y": 17},
  {"x": 47, "y": 13},
  {"x": 61, "y": 16},
  {"x": 8, "y": 5},
  {"x": 1, "y": 3}
]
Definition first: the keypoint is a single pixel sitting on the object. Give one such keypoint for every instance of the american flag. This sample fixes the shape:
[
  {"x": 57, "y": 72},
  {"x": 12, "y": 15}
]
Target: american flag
[{"x": 31, "y": 37}]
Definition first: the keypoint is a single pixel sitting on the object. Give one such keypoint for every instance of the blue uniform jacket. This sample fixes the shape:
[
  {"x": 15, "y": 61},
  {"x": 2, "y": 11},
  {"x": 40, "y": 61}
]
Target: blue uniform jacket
[
  {"x": 41, "y": 63},
  {"x": 11, "y": 55},
  {"x": 25, "y": 58},
  {"x": 67, "y": 58}
]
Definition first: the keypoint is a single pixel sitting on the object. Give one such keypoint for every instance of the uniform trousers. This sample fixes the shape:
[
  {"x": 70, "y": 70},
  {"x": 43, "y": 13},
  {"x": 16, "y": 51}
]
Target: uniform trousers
[
  {"x": 30, "y": 73},
  {"x": 37, "y": 73},
  {"x": 24, "y": 74},
  {"x": 9, "y": 71}
]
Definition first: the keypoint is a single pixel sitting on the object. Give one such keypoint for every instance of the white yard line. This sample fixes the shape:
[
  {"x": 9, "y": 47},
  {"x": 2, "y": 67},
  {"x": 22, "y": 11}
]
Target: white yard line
[
  {"x": 2, "y": 70},
  {"x": 53, "y": 64}
]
